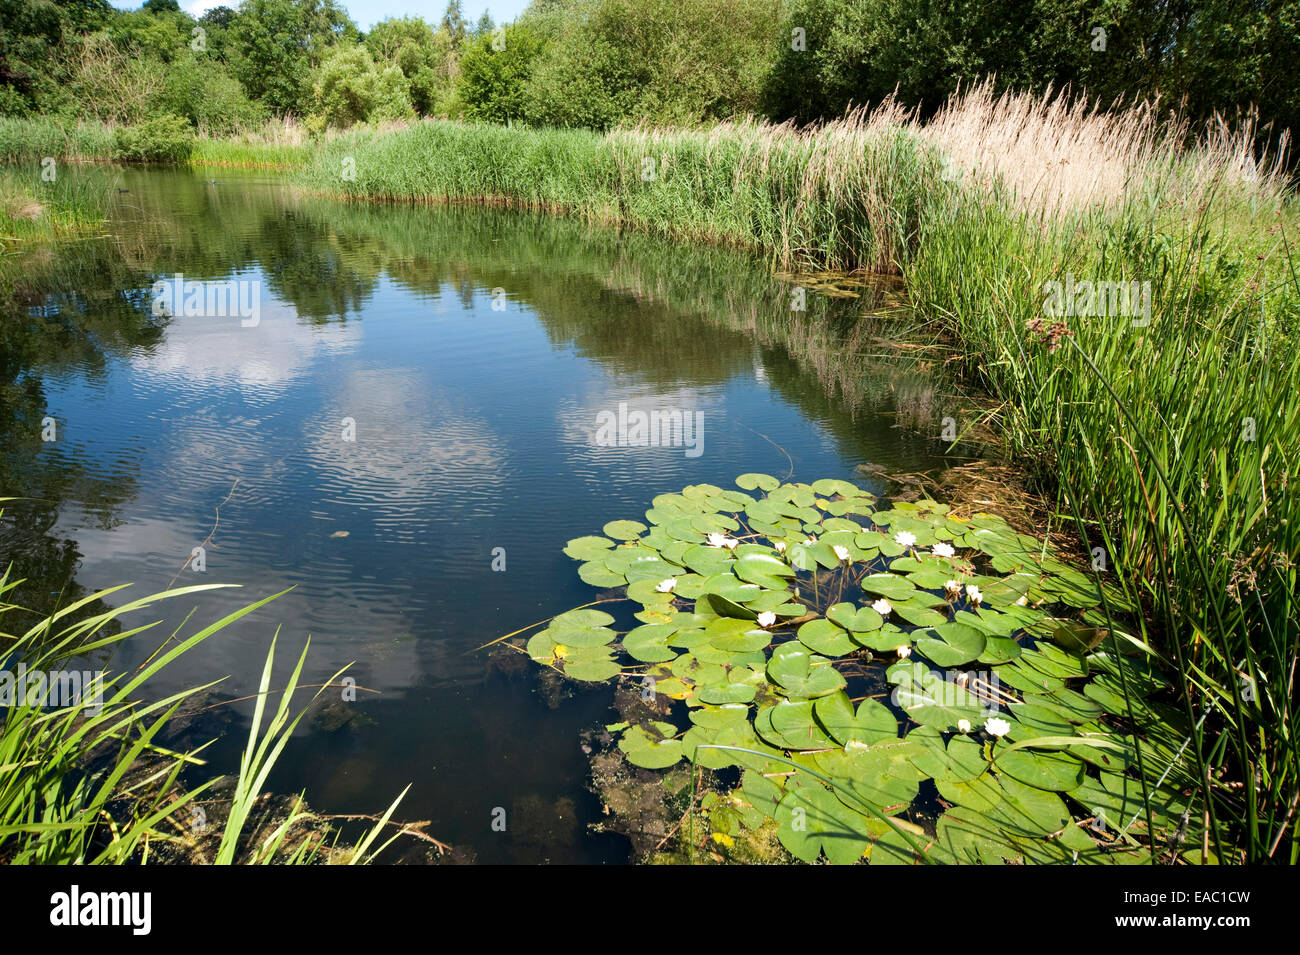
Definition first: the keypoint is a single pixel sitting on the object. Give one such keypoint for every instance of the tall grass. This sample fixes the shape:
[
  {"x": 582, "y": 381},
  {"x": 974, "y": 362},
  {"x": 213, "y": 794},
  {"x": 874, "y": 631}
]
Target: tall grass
[
  {"x": 35, "y": 210},
  {"x": 743, "y": 183},
  {"x": 87, "y": 782},
  {"x": 1172, "y": 443},
  {"x": 31, "y": 139}
]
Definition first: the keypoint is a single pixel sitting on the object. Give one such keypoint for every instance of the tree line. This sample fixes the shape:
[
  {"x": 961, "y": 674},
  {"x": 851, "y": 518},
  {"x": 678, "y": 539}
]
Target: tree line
[{"x": 601, "y": 63}]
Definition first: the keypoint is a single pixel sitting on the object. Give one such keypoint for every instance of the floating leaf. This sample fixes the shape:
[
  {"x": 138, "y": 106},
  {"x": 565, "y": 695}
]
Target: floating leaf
[{"x": 801, "y": 673}]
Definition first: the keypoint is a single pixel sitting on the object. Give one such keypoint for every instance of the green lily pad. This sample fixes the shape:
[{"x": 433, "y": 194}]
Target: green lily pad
[
  {"x": 822, "y": 636},
  {"x": 852, "y": 617},
  {"x": 623, "y": 530},
  {"x": 871, "y": 724},
  {"x": 801, "y": 673},
  {"x": 656, "y": 750},
  {"x": 812, "y": 822}
]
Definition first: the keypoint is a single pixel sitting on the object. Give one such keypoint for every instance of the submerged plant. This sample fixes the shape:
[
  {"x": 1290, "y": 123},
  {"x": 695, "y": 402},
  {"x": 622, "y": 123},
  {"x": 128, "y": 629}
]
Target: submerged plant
[{"x": 1042, "y": 729}]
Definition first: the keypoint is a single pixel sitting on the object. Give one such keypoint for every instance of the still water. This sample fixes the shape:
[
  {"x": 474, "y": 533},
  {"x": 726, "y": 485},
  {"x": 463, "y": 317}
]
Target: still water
[{"x": 406, "y": 435}]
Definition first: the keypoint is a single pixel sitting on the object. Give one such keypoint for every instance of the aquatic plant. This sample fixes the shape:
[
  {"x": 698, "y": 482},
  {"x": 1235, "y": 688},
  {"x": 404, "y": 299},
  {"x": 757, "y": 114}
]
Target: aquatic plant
[
  {"x": 779, "y": 616},
  {"x": 88, "y": 782}
]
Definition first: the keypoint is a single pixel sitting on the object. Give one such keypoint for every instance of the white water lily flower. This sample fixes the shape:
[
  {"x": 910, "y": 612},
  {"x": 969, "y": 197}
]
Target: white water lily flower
[
  {"x": 905, "y": 539},
  {"x": 766, "y": 618},
  {"x": 963, "y": 726},
  {"x": 810, "y": 541},
  {"x": 952, "y": 588},
  {"x": 973, "y": 594},
  {"x": 942, "y": 550},
  {"x": 730, "y": 543},
  {"x": 841, "y": 552},
  {"x": 904, "y": 651},
  {"x": 717, "y": 540},
  {"x": 882, "y": 607},
  {"x": 780, "y": 547},
  {"x": 996, "y": 727},
  {"x": 667, "y": 586}
]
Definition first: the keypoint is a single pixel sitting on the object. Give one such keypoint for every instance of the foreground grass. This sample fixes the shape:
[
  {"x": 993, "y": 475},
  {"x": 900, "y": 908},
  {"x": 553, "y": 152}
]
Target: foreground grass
[{"x": 86, "y": 782}]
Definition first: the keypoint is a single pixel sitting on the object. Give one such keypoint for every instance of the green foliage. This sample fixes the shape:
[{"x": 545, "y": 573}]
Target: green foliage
[
  {"x": 166, "y": 139},
  {"x": 1223, "y": 55},
  {"x": 665, "y": 61},
  {"x": 1015, "y": 727},
  {"x": 493, "y": 73},
  {"x": 423, "y": 56},
  {"x": 602, "y": 63},
  {"x": 87, "y": 782},
  {"x": 350, "y": 89},
  {"x": 199, "y": 89},
  {"x": 277, "y": 44}
]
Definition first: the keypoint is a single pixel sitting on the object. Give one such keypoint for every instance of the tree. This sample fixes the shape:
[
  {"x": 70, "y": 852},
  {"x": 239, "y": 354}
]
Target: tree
[
  {"x": 454, "y": 22},
  {"x": 350, "y": 89},
  {"x": 424, "y": 57},
  {"x": 279, "y": 42},
  {"x": 494, "y": 71}
]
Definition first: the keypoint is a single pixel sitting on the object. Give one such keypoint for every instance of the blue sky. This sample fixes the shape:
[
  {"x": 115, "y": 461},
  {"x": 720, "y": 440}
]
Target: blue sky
[{"x": 369, "y": 12}]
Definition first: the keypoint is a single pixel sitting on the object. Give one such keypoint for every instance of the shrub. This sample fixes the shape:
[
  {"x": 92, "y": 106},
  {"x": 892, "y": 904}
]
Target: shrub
[
  {"x": 494, "y": 71},
  {"x": 350, "y": 89},
  {"x": 166, "y": 138}
]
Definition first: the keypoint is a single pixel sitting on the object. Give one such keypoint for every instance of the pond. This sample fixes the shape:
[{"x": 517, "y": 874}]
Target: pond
[{"x": 425, "y": 405}]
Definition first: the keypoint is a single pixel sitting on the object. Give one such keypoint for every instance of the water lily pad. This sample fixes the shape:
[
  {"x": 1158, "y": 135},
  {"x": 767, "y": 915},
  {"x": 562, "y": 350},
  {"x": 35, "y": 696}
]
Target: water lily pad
[
  {"x": 763, "y": 482},
  {"x": 623, "y": 530},
  {"x": 852, "y": 617},
  {"x": 590, "y": 664},
  {"x": 931, "y": 700},
  {"x": 794, "y": 723},
  {"x": 737, "y": 636},
  {"x": 654, "y": 750},
  {"x": 1041, "y": 769},
  {"x": 999, "y": 650},
  {"x": 811, "y": 821},
  {"x": 801, "y": 673},
  {"x": 598, "y": 575},
  {"x": 588, "y": 548},
  {"x": 822, "y": 636},
  {"x": 890, "y": 586},
  {"x": 959, "y": 644},
  {"x": 649, "y": 643},
  {"x": 730, "y": 693},
  {"x": 872, "y": 723}
]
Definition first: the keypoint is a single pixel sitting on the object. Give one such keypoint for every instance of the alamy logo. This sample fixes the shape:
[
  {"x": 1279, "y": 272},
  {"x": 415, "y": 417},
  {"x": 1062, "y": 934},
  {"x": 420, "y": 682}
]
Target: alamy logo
[
  {"x": 1098, "y": 300},
  {"x": 660, "y": 428},
  {"x": 58, "y": 688},
  {"x": 75, "y": 907},
  {"x": 228, "y": 299}
]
